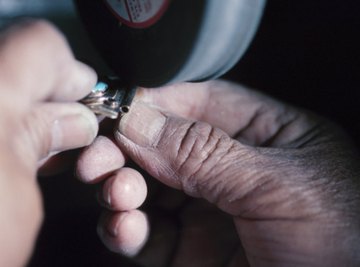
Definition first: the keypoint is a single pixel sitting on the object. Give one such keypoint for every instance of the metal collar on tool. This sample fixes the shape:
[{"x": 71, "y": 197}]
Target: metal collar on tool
[{"x": 110, "y": 98}]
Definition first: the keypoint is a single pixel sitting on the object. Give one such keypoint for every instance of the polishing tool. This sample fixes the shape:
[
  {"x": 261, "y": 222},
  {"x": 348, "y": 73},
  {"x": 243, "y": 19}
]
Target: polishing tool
[{"x": 151, "y": 43}]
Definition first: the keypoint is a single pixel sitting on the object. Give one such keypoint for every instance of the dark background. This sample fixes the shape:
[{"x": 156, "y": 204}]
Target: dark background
[{"x": 305, "y": 53}]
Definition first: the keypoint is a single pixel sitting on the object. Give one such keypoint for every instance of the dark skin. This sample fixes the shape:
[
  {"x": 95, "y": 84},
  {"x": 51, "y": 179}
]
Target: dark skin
[
  {"x": 286, "y": 178},
  {"x": 244, "y": 179}
]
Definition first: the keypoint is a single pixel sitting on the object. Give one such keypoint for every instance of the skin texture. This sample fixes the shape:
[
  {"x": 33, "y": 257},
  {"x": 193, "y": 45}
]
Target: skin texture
[
  {"x": 240, "y": 179},
  {"x": 39, "y": 83},
  {"x": 249, "y": 181}
]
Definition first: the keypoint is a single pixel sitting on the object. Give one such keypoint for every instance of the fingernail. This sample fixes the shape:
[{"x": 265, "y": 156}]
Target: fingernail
[
  {"x": 72, "y": 131},
  {"x": 142, "y": 124}
]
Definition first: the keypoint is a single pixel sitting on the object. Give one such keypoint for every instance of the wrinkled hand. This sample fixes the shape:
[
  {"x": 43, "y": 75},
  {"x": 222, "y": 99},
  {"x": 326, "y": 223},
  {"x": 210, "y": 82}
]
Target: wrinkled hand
[
  {"x": 39, "y": 83},
  {"x": 286, "y": 178}
]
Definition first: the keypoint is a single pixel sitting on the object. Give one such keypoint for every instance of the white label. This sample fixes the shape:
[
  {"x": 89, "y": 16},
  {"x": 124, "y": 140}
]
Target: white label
[{"x": 138, "y": 13}]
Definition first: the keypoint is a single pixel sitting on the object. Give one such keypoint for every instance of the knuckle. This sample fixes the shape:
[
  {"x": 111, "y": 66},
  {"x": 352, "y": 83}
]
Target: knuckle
[
  {"x": 35, "y": 59},
  {"x": 33, "y": 32},
  {"x": 202, "y": 147},
  {"x": 42, "y": 29},
  {"x": 41, "y": 37},
  {"x": 38, "y": 44},
  {"x": 38, "y": 25}
]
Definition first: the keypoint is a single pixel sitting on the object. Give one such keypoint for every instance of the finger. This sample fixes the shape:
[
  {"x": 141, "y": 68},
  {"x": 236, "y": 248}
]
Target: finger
[
  {"x": 125, "y": 190},
  {"x": 204, "y": 161},
  {"x": 230, "y": 107},
  {"x": 124, "y": 232},
  {"x": 37, "y": 63},
  {"x": 183, "y": 154},
  {"x": 55, "y": 127},
  {"x": 76, "y": 82},
  {"x": 98, "y": 161}
]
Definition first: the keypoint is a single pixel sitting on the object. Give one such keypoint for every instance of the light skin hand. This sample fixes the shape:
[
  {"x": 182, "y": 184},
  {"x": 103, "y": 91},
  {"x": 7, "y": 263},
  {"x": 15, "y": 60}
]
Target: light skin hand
[
  {"x": 39, "y": 83},
  {"x": 286, "y": 178}
]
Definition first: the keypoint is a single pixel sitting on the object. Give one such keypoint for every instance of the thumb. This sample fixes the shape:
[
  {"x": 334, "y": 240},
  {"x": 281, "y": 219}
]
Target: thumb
[
  {"x": 193, "y": 156},
  {"x": 54, "y": 127}
]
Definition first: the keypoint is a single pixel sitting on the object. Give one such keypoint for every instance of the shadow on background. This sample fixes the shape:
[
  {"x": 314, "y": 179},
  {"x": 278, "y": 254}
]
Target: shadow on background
[{"x": 307, "y": 53}]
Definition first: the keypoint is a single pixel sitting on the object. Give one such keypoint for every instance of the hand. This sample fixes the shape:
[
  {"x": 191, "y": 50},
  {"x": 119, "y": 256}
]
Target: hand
[
  {"x": 39, "y": 83},
  {"x": 285, "y": 177}
]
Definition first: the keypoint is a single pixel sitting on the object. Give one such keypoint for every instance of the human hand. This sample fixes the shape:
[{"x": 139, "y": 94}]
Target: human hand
[
  {"x": 39, "y": 83},
  {"x": 286, "y": 178}
]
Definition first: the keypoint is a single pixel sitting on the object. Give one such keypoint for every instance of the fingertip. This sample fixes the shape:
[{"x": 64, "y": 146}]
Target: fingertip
[
  {"x": 125, "y": 232},
  {"x": 126, "y": 190},
  {"x": 89, "y": 75},
  {"x": 99, "y": 160},
  {"x": 76, "y": 83},
  {"x": 56, "y": 127}
]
